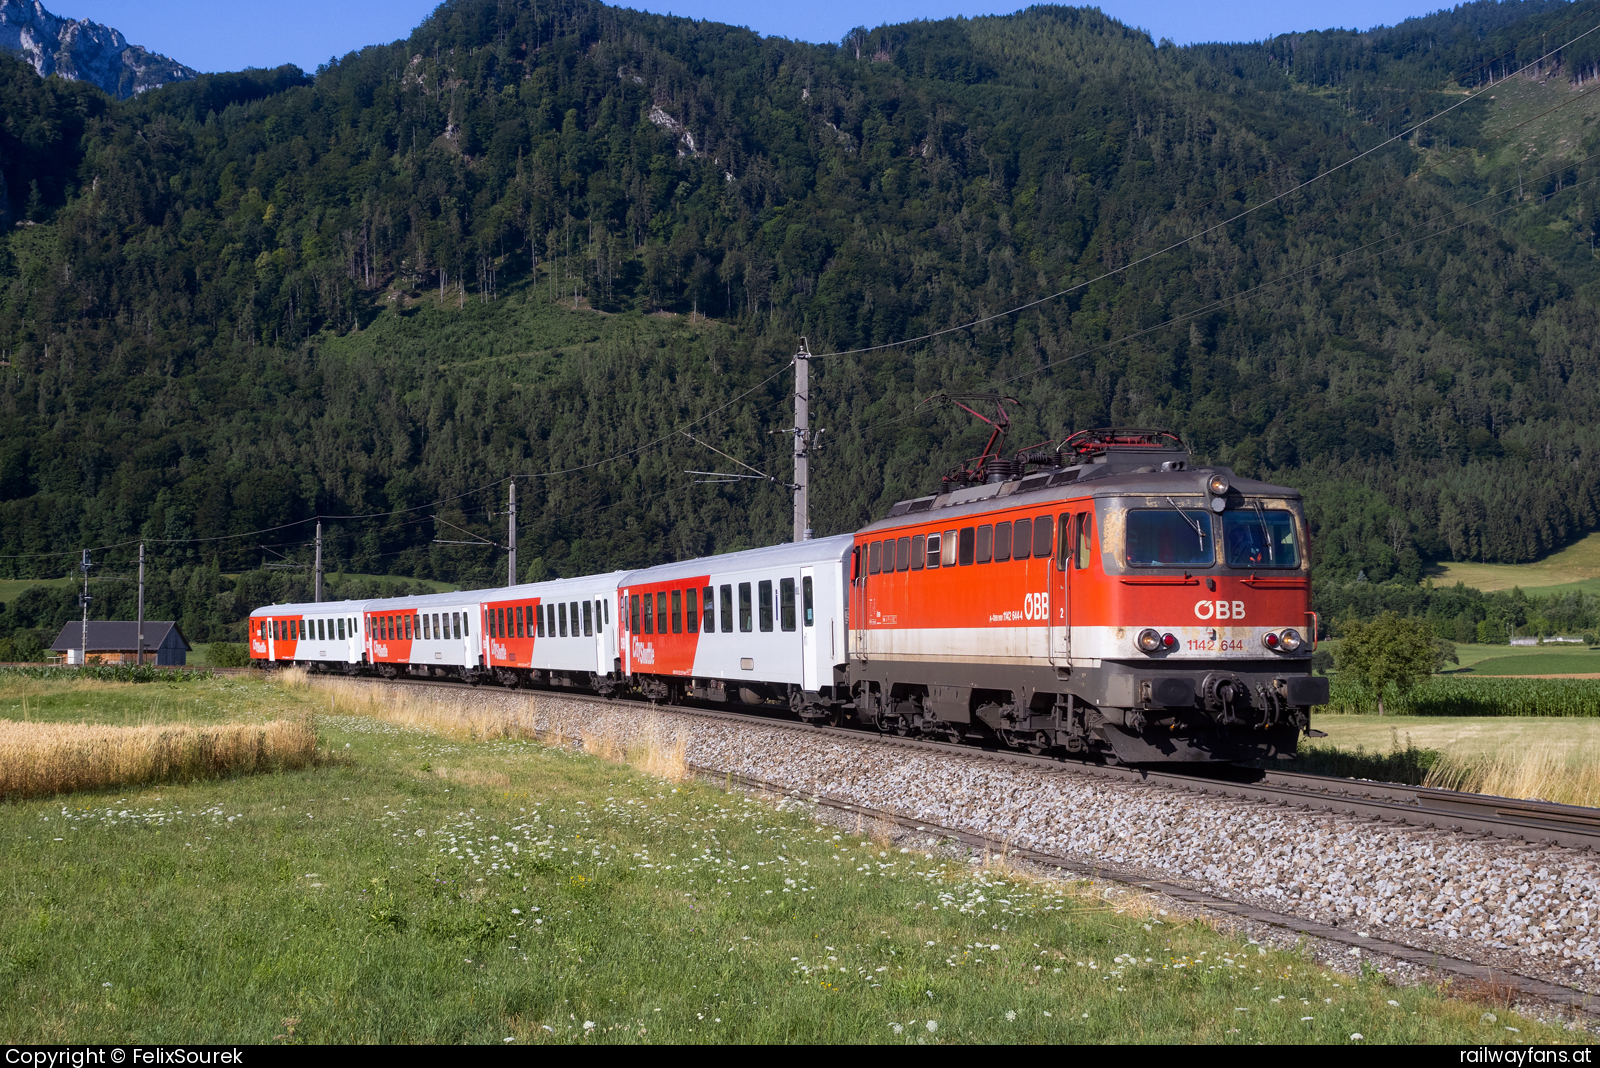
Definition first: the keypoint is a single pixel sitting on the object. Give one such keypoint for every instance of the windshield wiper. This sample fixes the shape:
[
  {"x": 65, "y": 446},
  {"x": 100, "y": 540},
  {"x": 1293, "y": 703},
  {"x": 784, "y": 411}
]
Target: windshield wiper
[
  {"x": 1266, "y": 535},
  {"x": 1195, "y": 523}
]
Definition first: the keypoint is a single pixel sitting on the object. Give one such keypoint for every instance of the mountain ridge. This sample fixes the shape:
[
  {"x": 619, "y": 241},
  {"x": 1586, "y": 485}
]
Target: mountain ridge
[
  {"x": 84, "y": 50},
  {"x": 490, "y": 250}
]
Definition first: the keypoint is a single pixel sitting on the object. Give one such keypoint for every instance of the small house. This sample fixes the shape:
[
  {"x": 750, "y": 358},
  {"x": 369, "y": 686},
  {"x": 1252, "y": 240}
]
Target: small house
[{"x": 112, "y": 641}]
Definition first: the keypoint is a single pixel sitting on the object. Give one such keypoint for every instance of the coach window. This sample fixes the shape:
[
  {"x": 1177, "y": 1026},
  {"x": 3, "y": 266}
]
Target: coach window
[
  {"x": 436, "y": 633},
  {"x": 677, "y": 611},
  {"x": 934, "y": 551},
  {"x": 538, "y": 620},
  {"x": 341, "y": 629},
  {"x": 426, "y": 631},
  {"x": 550, "y": 618},
  {"x": 661, "y": 611},
  {"x": 466, "y": 625},
  {"x": 967, "y": 542},
  {"x": 320, "y": 635},
  {"x": 416, "y": 626},
  {"x": 649, "y": 614},
  {"x": 607, "y": 606},
  {"x": 805, "y": 599},
  {"x": 633, "y": 615},
  {"x": 746, "y": 616},
  {"x": 903, "y": 554},
  {"x": 875, "y": 558},
  {"x": 708, "y": 622},
  {"x": 1043, "y": 528},
  {"x": 691, "y": 610},
  {"x": 919, "y": 552},
  {"x": 1002, "y": 542},
  {"x": 574, "y": 614},
  {"x": 786, "y": 597},
  {"x": 588, "y": 620},
  {"x": 727, "y": 609},
  {"x": 766, "y": 604},
  {"x": 985, "y": 543}
]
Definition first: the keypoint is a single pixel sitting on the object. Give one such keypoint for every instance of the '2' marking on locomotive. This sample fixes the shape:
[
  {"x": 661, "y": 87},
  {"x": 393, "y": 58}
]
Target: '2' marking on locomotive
[{"x": 1219, "y": 609}]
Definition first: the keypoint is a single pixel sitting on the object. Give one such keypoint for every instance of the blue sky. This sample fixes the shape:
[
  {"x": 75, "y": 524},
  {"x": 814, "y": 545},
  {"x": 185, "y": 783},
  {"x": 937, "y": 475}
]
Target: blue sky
[{"x": 211, "y": 35}]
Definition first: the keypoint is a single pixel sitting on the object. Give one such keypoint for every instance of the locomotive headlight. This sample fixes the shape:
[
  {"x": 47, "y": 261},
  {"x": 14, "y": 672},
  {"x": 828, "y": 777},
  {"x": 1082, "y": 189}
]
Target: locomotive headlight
[
  {"x": 1150, "y": 641},
  {"x": 1291, "y": 639},
  {"x": 1218, "y": 485}
]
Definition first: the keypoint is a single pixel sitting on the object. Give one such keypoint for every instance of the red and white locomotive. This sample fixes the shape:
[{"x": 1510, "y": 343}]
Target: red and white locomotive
[{"x": 1101, "y": 596}]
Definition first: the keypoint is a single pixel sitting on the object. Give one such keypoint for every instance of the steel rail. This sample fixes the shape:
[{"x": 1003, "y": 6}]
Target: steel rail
[
  {"x": 1569, "y": 826},
  {"x": 1381, "y": 800}
]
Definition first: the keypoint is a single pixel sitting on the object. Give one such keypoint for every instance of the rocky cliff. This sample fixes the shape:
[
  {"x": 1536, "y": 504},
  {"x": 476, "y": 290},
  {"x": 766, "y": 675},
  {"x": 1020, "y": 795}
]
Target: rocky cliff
[{"x": 83, "y": 50}]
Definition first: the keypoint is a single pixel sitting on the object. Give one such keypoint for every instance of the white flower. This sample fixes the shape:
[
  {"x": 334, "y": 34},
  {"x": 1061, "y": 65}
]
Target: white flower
[
  {"x": 933, "y": 1025},
  {"x": 588, "y": 1025},
  {"x": 1303, "y": 1019},
  {"x": 1356, "y": 1037},
  {"x": 897, "y": 1028},
  {"x": 1011, "y": 1014},
  {"x": 518, "y": 912},
  {"x": 1488, "y": 1017},
  {"x": 1396, "y": 1004}
]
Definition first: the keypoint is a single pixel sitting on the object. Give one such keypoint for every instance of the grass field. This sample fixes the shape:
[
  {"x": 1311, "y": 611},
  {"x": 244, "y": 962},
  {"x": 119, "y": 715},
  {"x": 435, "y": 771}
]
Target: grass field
[
  {"x": 437, "y": 889},
  {"x": 1577, "y": 567}
]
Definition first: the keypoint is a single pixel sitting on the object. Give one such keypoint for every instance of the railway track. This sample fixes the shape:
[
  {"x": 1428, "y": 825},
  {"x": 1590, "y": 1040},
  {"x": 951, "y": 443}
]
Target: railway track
[{"x": 1461, "y": 813}]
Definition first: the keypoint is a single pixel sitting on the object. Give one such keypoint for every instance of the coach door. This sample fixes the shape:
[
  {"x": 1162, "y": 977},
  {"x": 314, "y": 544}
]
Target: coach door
[
  {"x": 808, "y": 630},
  {"x": 1060, "y": 607}
]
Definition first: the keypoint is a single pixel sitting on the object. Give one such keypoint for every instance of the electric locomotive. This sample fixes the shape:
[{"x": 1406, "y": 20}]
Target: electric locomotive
[{"x": 1101, "y": 595}]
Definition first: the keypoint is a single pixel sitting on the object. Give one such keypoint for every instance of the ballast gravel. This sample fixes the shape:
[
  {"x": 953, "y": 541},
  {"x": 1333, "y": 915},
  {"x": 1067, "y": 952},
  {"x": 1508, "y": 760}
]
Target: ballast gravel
[{"x": 1530, "y": 908}]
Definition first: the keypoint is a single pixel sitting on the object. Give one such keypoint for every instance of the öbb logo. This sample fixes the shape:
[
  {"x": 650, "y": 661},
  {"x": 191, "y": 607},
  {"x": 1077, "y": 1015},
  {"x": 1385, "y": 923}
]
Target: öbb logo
[
  {"x": 644, "y": 654},
  {"x": 1219, "y": 609}
]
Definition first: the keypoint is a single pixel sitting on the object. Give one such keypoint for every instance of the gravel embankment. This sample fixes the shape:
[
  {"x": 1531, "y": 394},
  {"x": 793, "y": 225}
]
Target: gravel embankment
[{"x": 1533, "y": 909}]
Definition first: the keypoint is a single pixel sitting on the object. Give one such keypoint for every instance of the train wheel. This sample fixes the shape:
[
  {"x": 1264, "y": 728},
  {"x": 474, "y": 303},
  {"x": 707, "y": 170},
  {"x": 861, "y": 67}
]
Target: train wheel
[{"x": 1039, "y": 744}]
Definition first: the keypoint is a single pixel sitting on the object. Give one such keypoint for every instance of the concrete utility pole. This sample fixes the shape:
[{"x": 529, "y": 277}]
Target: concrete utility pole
[
  {"x": 802, "y": 442},
  {"x": 83, "y": 599},
  {"x": 511, "y": 539},
  {"x": 138, "y": 655},
  {"x": 316, "y": 595}
]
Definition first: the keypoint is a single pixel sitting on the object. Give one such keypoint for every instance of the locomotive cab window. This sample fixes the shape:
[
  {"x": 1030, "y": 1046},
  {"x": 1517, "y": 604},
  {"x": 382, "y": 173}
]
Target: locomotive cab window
[
  {"x": 1169, "y": 537},
  {"x": 934, "y": 550},
  {"x": 1259, "y": 537},
  {"x": 919, "y": 553},
  {"x": 985, "y": 543}
]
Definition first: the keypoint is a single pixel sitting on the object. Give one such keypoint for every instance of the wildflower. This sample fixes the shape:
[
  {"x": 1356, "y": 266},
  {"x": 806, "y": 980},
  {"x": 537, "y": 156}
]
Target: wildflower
[
  {"x": 1356, "y": 1037},
  {"x": 1011, "y": 1014},
  {"x": 1303, "y": 1019},
  {"x": 588, "y": 1025},
  {"x": 896, "y": 1028},
  {"x": 1488, "y": 1017},
  {"x": 933, "y": 1025},
  {"x": 1396, "y": 1004}
]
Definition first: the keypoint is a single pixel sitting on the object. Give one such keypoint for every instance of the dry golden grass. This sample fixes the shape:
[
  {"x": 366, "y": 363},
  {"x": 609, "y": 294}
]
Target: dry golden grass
[
  {"x": 648, "y": 744},
  {"x": 53, "y": 758},
  {"x": 1538, "y": 772}
]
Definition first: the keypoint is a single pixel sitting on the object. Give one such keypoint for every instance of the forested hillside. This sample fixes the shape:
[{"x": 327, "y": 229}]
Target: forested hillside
[{"x": 535, "y": 237}]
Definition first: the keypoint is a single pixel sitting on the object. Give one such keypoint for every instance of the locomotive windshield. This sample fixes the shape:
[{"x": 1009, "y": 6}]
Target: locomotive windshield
[
  {"x": 1257, "y": 537},
  {"x": 1169, "y": 537}
]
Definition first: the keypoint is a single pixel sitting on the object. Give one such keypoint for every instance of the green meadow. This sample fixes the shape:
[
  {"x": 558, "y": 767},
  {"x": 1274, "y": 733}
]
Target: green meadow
[{"x": 417, "y": 887}]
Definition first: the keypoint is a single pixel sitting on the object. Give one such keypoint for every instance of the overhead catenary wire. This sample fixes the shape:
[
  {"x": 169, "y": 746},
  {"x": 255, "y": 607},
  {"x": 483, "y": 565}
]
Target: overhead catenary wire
[{"x": 1175, "y": 245}]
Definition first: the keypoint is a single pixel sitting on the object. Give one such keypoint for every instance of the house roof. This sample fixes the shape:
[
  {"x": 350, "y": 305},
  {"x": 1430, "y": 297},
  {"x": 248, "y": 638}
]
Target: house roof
[{"x": 117, "y": 635}]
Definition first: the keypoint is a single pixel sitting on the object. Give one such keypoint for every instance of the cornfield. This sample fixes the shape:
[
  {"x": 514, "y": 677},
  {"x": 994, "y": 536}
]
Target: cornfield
[
  {"x": 53, "y": 758},
  {"x": 1454, "y": 696},
  {"x": 104, "y": 673}
]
